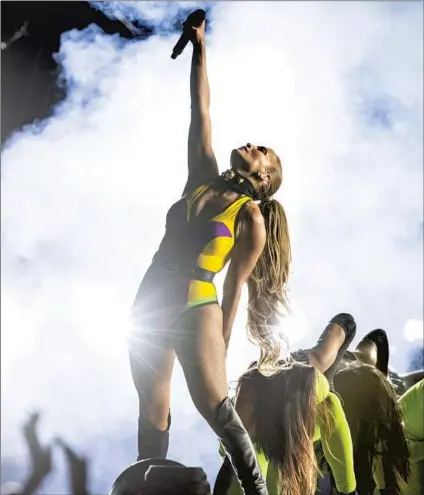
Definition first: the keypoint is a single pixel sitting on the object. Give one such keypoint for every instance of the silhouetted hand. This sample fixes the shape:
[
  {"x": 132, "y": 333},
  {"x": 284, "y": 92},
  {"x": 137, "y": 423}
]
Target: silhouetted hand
[
  {"x": 195, "y": 25},
  {"x": 77, "y": 469},
  {"x": 41, "y": 458},
  {"x": 198, "y": 34},
  {"x": 30, "y": 428}
]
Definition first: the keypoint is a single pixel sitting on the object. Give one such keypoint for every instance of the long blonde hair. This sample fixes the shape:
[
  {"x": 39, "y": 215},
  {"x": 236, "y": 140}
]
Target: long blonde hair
[
  {"x": 284, "y": 419},
  {"x": 268, "y": 281}
]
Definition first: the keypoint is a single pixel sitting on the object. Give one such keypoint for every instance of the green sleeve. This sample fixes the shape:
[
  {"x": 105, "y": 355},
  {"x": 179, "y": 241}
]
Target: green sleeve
[
  {"x": 412, "y": 404},
  {"x": 338, "y": 448}
]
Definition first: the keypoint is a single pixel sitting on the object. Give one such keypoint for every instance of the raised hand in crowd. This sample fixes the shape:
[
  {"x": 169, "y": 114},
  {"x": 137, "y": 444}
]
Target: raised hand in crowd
[
  {"x": 41, "y": 457},
  {"x": 77, "y": 467}
]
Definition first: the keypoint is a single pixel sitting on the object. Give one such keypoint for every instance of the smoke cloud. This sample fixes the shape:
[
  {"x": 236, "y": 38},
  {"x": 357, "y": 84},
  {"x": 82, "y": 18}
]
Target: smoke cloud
[{"x": 334, "y": 88}]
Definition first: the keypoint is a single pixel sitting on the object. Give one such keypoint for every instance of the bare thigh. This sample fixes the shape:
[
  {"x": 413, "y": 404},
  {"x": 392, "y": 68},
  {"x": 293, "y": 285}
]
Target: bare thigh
[
  {"x": 200, "y": 347},
  {"x": 152, "y": 360}
]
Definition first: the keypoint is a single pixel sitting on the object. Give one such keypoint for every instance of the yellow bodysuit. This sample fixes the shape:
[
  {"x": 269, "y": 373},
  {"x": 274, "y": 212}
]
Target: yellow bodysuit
[
  {"x": 219, "y": 238},
  {"x": 192, "y": 251}
]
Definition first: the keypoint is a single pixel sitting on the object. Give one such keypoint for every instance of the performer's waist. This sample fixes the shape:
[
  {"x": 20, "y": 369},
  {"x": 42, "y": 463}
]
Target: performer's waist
[{"x": 174, "y": 266}]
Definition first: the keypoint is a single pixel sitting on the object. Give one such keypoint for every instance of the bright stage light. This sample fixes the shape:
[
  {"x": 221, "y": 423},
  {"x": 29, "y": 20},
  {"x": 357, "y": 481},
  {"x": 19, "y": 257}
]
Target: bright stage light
[
  {"x": 414, "y": 330},
  {"x": 102, "y": 320},
  {"x": 15, "y": 334}
]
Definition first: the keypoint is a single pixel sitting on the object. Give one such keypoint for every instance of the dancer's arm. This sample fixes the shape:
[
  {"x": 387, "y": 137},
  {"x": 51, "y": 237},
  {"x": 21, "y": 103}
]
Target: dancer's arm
[
  {"x": 411, "y": 379},
  {"x": 412, "y": 405},
  {"x": 202, "y": 165},
  {"x": 337, "y": 445},
  {"x": 249, "y": 245}
]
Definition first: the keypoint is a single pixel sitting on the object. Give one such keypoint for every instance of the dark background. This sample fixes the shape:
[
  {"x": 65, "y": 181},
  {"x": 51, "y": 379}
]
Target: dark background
[
  {"x": 29, "y": 73},
  {"x": 28, "y": 70}
]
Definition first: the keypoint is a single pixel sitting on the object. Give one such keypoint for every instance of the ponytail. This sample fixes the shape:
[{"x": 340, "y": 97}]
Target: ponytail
[{"x": 267, "y": 286}]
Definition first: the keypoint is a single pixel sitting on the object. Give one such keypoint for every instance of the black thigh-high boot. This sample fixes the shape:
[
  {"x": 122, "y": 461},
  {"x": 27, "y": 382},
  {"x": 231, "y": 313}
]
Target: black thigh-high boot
[
  {"x": 224, "y": 478},
  {"x": 239, "y": 448},
  {"x": 151, "y": 441},
  {"x": 347, "y": 322}
]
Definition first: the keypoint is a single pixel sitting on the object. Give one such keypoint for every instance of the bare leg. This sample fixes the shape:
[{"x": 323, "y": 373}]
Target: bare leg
[
  {"x": 200, "y": 348},
  {"x": 152, "y": 361},
  {"x": 332, "y": 345}
]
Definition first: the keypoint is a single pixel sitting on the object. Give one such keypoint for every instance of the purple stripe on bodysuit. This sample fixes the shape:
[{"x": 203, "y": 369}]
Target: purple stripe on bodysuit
[{"x": 221, "y": 230}]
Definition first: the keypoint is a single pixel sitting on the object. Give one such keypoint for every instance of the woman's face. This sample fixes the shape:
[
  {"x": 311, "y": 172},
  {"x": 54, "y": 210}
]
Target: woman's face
[{"x": 251, "y": 159}]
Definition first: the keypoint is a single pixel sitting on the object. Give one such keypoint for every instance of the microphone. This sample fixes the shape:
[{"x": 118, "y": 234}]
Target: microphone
[{"x": 195, "y": 19}]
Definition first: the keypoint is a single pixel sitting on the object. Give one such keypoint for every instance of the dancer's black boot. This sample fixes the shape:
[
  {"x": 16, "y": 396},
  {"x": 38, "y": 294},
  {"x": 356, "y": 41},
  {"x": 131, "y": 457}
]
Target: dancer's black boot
[
  {"x": 347, "y": 322},
  {"x": 239, "y": 448},
  {"x": 224, "y": 478},
  {"x": 151, "y": 441}
]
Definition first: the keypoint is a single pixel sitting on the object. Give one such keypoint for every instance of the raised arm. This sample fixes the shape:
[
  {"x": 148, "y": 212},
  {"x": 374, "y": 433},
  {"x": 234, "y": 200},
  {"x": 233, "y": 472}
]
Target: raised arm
[
  {"x": 202, "y": 165},
  {"x": 411, "y": 379},
  {"x": 249, "y": 245}
]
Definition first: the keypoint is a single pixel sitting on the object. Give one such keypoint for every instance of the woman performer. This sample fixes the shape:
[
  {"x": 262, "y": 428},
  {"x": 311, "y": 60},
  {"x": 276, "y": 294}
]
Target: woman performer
[
  {"x": 176, "y": 311},
  {"x": 289, "y": 411},
  {"x": 381, "y": 454}
]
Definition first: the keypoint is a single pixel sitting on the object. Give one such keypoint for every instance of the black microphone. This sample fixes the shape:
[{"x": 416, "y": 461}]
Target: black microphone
[{"x": 195, "y": 19}]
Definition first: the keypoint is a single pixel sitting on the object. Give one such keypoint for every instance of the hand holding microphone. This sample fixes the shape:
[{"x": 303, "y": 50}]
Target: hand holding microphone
[{"x": 193, "y": 27}]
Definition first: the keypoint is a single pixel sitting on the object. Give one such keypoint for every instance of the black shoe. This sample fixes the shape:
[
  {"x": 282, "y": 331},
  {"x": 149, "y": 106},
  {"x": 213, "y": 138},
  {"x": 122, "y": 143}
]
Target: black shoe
[
  {"x": 239, "y": 448},
  {"x": 152, "y": 443}
]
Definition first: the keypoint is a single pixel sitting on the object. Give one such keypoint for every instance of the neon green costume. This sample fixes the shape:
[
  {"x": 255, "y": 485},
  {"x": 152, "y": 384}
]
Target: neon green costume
[
  {"x": 412, "y": 404},
  {"x": 337, "y": 447}
]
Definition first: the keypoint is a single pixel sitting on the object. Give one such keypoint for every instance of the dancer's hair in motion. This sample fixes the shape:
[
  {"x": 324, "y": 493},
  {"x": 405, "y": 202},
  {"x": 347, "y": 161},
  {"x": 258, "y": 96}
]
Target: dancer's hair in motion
[
  {"x": 375, "y": 422},
  {"x": 268, "y": 280},
  {"x": 284, "y": 418}
]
